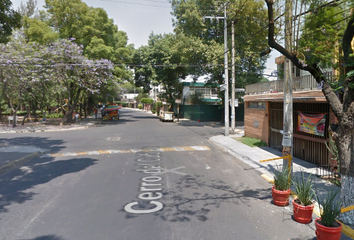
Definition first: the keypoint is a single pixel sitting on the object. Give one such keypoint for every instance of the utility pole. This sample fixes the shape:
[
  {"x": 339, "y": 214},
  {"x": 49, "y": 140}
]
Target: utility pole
[
  {"x": 288, "y": 87},
  {"x": 233, "y": 117},
  {"x": 226, "y": 75}
]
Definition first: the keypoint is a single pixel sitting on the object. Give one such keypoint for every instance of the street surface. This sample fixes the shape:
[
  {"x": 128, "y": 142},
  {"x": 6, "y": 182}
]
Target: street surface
[{"x": 138, "y": 178}]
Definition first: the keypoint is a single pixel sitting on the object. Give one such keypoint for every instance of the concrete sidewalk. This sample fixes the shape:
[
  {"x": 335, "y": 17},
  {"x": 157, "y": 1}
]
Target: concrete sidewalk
[{"x": 253, "y": 155}]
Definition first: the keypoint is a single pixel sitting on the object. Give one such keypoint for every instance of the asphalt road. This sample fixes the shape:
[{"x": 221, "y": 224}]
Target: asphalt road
[{"x": 138, "y": 178}]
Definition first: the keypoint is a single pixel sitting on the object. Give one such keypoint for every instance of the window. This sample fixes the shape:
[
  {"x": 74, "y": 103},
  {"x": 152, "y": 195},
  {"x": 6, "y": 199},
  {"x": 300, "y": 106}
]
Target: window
[{"x": 259, "y": 105}]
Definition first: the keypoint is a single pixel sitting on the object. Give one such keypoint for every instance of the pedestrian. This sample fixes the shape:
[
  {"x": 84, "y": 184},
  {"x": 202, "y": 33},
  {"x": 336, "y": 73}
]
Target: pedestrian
[
  {"x": 77, "y": 117},
  {"x": 96, "y": 113}
]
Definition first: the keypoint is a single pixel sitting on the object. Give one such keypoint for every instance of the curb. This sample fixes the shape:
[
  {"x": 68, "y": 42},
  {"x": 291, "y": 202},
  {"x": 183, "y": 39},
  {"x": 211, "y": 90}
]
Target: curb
[
  {"x": 19, "y": 162},
  {"x": 316, "y": 210},
  {"x": 48, "y": 130}
]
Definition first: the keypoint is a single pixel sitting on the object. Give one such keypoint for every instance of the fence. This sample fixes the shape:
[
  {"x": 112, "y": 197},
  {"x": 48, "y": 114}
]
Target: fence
[{"x": 299, "y": 83}]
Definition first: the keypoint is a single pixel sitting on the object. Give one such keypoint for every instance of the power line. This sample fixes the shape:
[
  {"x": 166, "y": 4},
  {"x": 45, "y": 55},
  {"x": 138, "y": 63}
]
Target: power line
[
  {"x": 114, "y": 64},
  {"x": 141, "y": 4}
]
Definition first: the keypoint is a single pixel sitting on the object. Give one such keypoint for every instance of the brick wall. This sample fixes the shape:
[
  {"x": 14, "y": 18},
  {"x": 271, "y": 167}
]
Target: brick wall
[{"x": 256, "y": 123}]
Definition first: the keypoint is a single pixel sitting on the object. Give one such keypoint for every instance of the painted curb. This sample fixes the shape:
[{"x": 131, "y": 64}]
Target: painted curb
[
  {"x": 19, "y": 162},
  {"x": 316, "y": 210}
]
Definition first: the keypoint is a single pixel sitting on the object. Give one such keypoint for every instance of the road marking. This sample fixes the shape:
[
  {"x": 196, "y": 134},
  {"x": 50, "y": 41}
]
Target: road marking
[
  {"x": 113, "y": 139},
  {"x": 168, "y": 149},
  {"x": 115, "y": 151},
  {"x": 173, "y": 170},
  {"x": 207, "y": 167}
]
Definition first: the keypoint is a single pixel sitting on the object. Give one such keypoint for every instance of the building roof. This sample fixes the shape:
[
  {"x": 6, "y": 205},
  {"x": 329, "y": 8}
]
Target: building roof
[
  {"x": 298, "y": 96},
  {"x": 196, "y": 84}
]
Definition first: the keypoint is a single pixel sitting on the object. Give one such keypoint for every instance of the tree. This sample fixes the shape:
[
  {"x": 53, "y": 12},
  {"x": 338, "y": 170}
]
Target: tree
[
  {"x": 160, "y": 60},
  {"x": 18, "y": 71},
  {"x": 38, "y": 31},
  {"x": 9, "y": 19},
  {"x": 76, "y": 74},
  {"x": 99, "y": 36},
  {"x": 328, "y": 40},
  {"x": 250, "y": 37}
]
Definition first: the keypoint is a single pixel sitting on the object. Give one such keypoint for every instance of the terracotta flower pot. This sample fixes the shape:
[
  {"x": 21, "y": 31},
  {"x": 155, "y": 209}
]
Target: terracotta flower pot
[
  {"x": 327, "y": 233},
  {"x": 280, "y": 198},
  {"x": 302, "y": 214}
]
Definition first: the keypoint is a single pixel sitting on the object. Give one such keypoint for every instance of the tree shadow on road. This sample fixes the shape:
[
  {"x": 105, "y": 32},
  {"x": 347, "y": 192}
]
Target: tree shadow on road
[
  {"x": 40, "y": 142},
  {"x": 45, "y": 237},
  {"x": 16, "y": 184},
  {"x": 207, "y": 197}
]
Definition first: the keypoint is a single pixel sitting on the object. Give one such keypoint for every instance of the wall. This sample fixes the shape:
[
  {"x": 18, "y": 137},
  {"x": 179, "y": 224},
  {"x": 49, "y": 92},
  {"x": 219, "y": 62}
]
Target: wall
[
  {"x": 203, "y": 113},
  {"x": 256, "y": 123},
  {"x": 207, "y": 113}
]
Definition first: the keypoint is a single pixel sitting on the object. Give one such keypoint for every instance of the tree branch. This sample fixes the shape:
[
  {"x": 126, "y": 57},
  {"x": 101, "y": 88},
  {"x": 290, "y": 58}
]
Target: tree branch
[{"x": 314, "y": 69}]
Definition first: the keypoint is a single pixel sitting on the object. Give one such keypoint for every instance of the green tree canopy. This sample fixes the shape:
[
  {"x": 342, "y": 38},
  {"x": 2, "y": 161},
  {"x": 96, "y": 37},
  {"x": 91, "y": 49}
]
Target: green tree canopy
[
  {"x": 9, "y": 19},
  {"x": 195, "y": 19}
]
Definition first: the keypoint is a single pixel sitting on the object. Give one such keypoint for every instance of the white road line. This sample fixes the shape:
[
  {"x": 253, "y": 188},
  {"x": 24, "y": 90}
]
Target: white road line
[
  {"x": 200, "y": 148},
  {"x": 179, "y": 149},
  {"x": 93, "y": 153},
  {"x": 69, "y": 154}
]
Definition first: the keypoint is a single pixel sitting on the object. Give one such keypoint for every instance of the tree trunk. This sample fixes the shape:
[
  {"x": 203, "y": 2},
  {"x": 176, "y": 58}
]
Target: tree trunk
[
  {"x": 14, "y": 118},
  {"x": 68, "y": 117},
  {"x": 347, "y": 199},
  {"x": 344, "y": 139}
]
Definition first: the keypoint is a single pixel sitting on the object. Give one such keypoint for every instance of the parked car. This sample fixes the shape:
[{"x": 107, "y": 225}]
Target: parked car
[{"x": 165, "y": 114}]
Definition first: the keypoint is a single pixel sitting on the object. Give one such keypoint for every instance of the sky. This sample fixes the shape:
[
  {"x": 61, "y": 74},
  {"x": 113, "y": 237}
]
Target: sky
[{"x": 139, "y": 18}]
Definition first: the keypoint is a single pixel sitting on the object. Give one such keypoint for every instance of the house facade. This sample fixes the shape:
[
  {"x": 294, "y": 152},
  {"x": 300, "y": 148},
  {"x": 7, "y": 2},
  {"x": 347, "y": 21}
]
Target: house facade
[
  {"x": 206, "y": 94},
  {"x": 264, "y": 117}
]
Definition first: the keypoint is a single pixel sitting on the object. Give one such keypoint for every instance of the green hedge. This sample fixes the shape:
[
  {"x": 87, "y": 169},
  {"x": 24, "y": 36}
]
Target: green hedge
[
  {"x": 158, "y": 104},
  {"x": 38, "y": 112},
  {"x": 147, "y": 100},
  {"x": 55, "y": 115}
]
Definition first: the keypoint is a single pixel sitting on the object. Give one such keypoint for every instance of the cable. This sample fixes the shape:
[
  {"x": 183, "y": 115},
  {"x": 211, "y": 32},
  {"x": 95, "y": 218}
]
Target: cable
[
  {"x": 141, "y": 4},
  {"x": 114, "y": 64}
]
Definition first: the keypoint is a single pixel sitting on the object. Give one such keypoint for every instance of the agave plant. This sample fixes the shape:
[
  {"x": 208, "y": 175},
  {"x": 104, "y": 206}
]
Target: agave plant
[
  {"x": 281, "y": 179},
  {"x": 331, "y": 208},
  {"x": 304, "y": 190}
]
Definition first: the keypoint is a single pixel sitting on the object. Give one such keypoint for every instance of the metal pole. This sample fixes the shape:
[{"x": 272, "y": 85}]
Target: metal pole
[
  {"x": 288, "y": 88},
  {"x": 233, "y": 116},
  {"x": 226, "y": 76}
]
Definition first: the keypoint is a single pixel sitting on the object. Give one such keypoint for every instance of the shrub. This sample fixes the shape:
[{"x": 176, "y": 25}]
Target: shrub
[
  {"x": 158, "y": 104},
  {"x": 304, "y": 190},
  {"x": 153, "y": 111},
  {"x": 281, "y": 179},
  {"x": 330, "y": 208},
  {"x": 147, "y": 100},
  {"x": 55, "y": 115},
  {"x": 140, "y": 106}
]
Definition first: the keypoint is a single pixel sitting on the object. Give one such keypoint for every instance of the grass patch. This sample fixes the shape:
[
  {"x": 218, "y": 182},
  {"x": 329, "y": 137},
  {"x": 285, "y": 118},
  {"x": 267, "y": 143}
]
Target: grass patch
[{"x": 252, "y": 142}]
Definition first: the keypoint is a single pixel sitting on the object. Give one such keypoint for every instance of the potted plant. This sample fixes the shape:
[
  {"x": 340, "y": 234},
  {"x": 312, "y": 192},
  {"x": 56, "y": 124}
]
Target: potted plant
[
  {"x": 327, "y": 227},
  {"x": 303, "y": 204},
  {"x": 281, "y": 188}
]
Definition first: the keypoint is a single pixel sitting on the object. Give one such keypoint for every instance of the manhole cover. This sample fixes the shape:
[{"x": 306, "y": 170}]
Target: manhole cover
[{"x": 113, "y": 139}]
